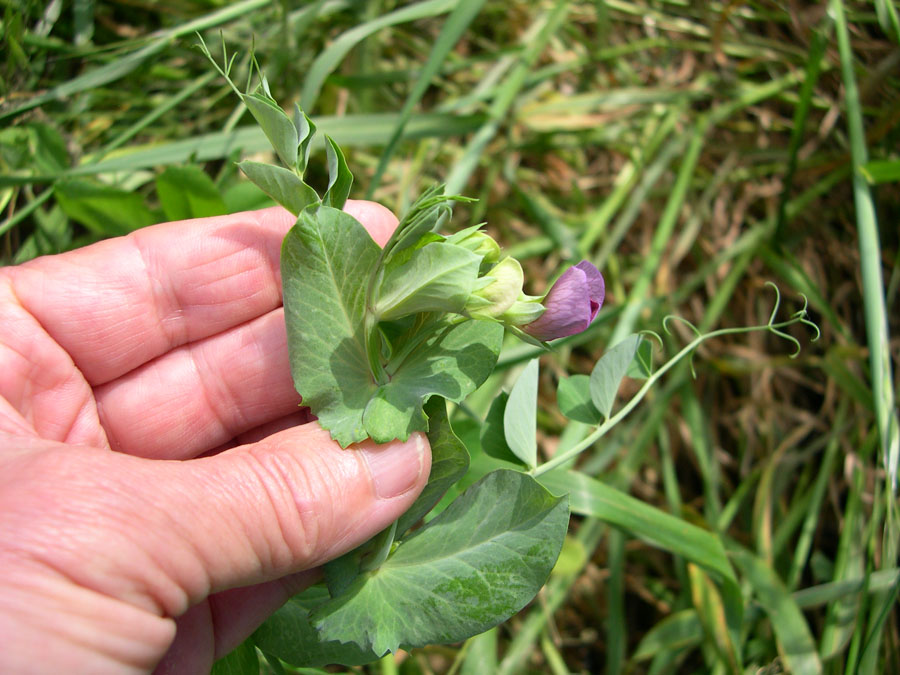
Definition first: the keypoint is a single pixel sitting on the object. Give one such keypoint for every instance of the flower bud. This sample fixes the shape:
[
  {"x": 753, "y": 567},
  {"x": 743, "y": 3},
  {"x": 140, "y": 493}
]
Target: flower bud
[
  {"x": 571, "y": 304},
  {"x": 478, "y": 242},
  {"x": 503, "y": 286},
  {"x": 526, "y": 309}
]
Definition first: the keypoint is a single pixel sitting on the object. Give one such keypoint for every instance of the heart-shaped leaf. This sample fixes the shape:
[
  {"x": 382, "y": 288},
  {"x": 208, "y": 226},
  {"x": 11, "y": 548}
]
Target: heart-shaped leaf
[
  {"x": 472, "y": 567},
  {"x": 326, "y": 260}
]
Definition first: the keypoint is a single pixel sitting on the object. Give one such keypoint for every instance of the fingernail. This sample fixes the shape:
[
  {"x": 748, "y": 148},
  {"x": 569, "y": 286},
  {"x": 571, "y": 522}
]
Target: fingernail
[{"x": 396, "y": 466}]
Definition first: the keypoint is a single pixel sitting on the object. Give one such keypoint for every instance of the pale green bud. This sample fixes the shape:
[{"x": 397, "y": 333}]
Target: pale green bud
[
  {"x": 523, "y": 311},
  {"x": 502, "y": 287},
  {"x": 478, "y": 242}
]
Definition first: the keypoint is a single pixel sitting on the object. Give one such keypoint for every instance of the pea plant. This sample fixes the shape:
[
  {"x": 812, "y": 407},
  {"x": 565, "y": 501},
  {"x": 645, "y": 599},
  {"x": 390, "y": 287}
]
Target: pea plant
[{"x": 380, "y": 340}]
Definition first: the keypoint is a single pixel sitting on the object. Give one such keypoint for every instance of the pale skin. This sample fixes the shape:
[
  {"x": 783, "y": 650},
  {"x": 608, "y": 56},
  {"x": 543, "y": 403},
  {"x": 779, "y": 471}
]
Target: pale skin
[{"x": 120, "y": 361}]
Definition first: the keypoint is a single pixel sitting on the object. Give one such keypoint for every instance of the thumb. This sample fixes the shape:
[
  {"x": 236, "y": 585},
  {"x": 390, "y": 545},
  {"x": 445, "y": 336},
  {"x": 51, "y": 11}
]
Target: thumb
[{"x": 289, "y": 502}]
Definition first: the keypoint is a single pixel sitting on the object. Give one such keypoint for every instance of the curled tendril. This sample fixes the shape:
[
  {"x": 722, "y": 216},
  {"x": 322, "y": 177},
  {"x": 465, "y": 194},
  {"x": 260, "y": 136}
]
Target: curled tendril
[
  {"x": 799, "y": 316},
  {"x": 772, "y": 326},
  {"x": 673, "y": 317},
  {"x": 653, "y": 334}
]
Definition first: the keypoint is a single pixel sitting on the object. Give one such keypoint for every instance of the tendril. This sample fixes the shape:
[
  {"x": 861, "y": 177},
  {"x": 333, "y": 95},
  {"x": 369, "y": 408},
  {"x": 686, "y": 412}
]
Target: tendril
[{"x": 697, "y": 333}]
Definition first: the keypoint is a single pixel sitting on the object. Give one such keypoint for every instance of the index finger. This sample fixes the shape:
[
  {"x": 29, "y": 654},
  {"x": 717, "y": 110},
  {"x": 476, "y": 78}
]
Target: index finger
[{"x": 120, "y": 303}]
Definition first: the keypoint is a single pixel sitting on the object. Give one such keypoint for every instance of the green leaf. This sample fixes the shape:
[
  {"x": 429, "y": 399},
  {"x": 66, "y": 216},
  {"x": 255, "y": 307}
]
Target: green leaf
[
  {"x": 240, "y": 661},
  {"x": 712, "y": 610},
  {"x": 326, "y": 260},
  {"x": 451, "y": 363},
  {"x": 350, "y": 130},
  {"x": 676, "y": 631},
  {"x": 282, "y": 185},
  {"x": 520, "y": 416},
  {"x": 276, "y": 125},
  {"x": 574, "y": 399},
  {"x": 449, "y": 461},
  {"x": 493, "y": 435},
  {"x": 244, "y": 195},
  {"x": 881, "y": 171},
  {"x": 795, "y": 641},
  {"x": 641, "y": 367},
  {"x": 306, "y": 130},
  {"x": 438, "y": 277},
  {"x": 339, "y": 177},
  {"x": 103, "y": 209},
  {"x": 609, "y": 371},
  {"x": 588, "y": 496},
  {"x": 472, "y": 567},
  {"x": 33, "y": 148},
  {"x": 188, "y": 192},
  {"x": 289, "y": 635}
]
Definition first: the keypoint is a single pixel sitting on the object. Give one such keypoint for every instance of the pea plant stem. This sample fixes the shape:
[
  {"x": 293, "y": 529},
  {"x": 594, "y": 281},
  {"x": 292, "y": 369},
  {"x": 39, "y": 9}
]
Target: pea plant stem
[{"x": 601, "y": 430}]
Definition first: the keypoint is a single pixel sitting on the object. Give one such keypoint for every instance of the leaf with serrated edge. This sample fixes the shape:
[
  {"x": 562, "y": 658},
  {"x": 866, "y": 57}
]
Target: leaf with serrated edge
[
  {"x": 284, "y": 186},
  {"x": 609, "y": 371},
  {"x": 326, "y": 260},
  {"x": 520, "y": 418},
  {"x": 289, "y": 635},
  {"x": 451, "y": 363},
  {"x": 472, "y": 567}
]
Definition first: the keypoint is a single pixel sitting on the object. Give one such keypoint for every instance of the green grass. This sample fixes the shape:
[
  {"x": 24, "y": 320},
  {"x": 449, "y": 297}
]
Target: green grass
[{"x": 694, "y": 151}]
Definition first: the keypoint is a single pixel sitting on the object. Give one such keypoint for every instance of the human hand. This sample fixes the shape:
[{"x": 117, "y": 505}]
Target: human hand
[{"x": 118, "y": 360}]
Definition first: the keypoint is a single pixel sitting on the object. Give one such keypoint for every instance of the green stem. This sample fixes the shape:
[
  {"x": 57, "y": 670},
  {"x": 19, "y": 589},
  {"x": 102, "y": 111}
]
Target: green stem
[{"x": 601, "y": 431}]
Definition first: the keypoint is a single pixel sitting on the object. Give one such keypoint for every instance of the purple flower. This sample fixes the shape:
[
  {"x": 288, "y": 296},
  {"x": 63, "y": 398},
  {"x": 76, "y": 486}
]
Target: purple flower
[{"x": 571, "y": 304}]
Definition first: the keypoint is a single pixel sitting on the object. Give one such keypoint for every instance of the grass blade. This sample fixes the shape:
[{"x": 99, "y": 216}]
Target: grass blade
[
  {"x": 588, "y": 496},
  {"x": 456, "y": 24},
  {"x": 870, "y": 260},
  {"x": 121, "y": 66},
  {"x": 795, "y": 641},
  {"x": 329, "y": 59},
  {"x": 506, "y": 94}
]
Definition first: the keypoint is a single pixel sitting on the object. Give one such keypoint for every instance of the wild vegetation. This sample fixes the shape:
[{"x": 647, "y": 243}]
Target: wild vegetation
[{"x": 692, "y": 151}]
